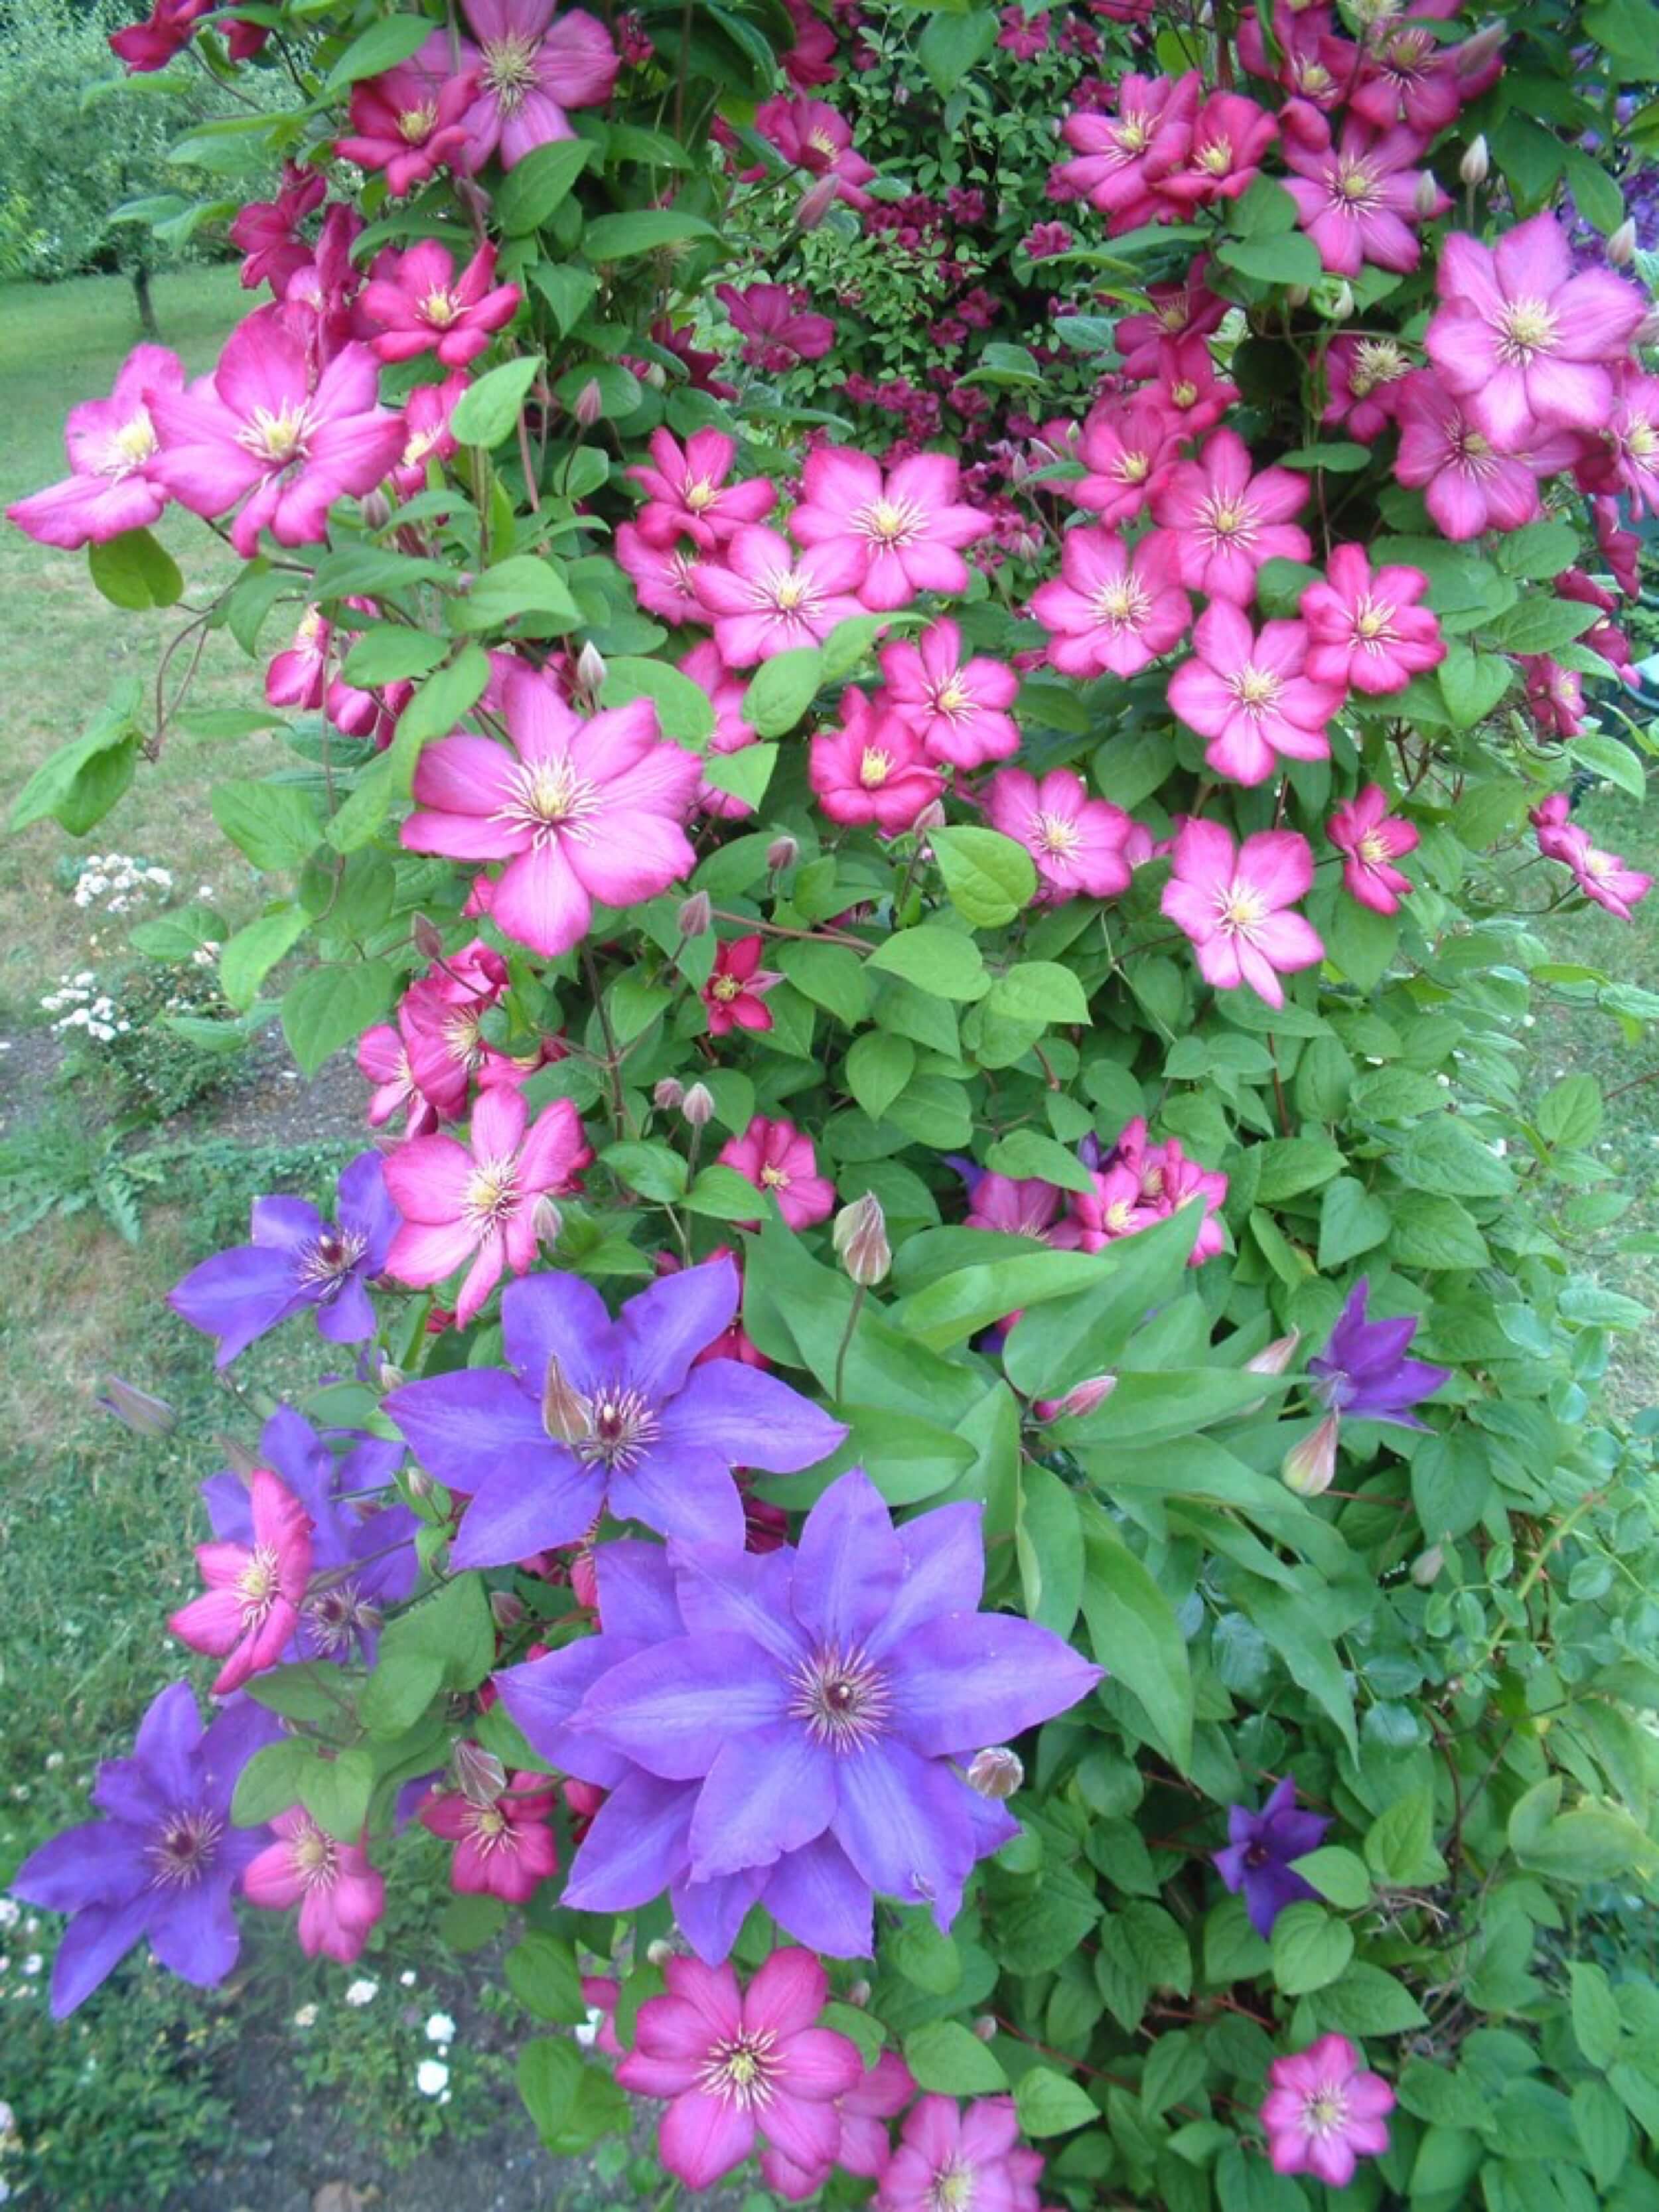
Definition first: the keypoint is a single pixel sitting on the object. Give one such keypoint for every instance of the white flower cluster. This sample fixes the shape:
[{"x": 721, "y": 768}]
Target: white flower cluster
[
  {"x": 80, "y": 1004},
  {"x": 10, "y": 2140},
  {"x": 117, "y": 882}
]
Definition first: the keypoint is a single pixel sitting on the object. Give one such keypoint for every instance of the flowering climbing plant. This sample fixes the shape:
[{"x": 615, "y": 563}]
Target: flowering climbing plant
[{"x": 960, "y": 1447}]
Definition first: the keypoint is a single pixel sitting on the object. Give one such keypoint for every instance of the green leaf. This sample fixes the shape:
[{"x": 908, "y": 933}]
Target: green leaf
[
  {"x": 1310, "y": 1949},
  {"x": 1596, "y": 2021},
  {"x": 336, "y": 1792},
  {"x": 381, "y": 47},
  {"x": 1430, "y": 1232},
  {"x": 1591, "y": 1843},
  {"x": 1027, "y": 1154},
  {"x": 782, "y": 690},
  {"x": 249, "y": 957},
  {"x": 1351, "y": 1221},
  {"x": 525, "y": 585},
  {"x": 1286, "y": 258},
  {"x": 642, "y": 230},
  {"x": 938, "y": 961},
  {"x": 951, "y": 45},
  {"x": 685, "y": 712},
  {"x": 878, "y": 1067},
  {"x": 1471, "y": 683},
  {"x": 530, "y": 191},
  {"x": 1338, "y": 1875},
  {"x": 1400, "y": 1843},
  {"x": 549, "y": 2073},
  {"x": 270, "y": 1783},
  {"x": 276, "y": 825},
  {"x": 656, "y": 1170},
  {"x": 1290, "y": 1165},
  {"x": 831, "y": 975},
  {"x": 136, "y": 571},
  {"x": 1368, "y": 2001},
  {"x": 1538, "y": 624},
  {"x": 1569, "y": 1114},
  {"x": 1613, "y": 759},
  {"x": 1059, "y": 1344},
  {"x": 487, "y": 411},
  {"x": 543, "y": 1974},
  {"x": 446, "y": 1641},
  {"x": 1038, "y": 991},
  {"x": 1047, "y": 1547},
  {"x": 1049, "y": 2105},
  {"x": 989, "y": 877},
  {"x": 391, "y": 653},
  {"x": 1133, "y": 1633},
  {"x": 330, "y": 1007},
  {"x": 78, "y": 784},
  {"x": 949, "y": 2060}
]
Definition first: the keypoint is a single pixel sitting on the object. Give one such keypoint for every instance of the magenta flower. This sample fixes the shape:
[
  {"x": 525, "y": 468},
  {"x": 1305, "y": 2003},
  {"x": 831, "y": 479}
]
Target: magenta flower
[
  {"x": 1467, "y": 486},
  {"x": 112, "y": 447},
  {"x": 737, "y": 2065},
  {"x": 259, "y": 431},
  {"x": 1324, "y": 2113},
  {"x": 1226, "y": 522},
  {"x": 1255, "y": 698},
  {"x": 1602, "y": 877},
  {"x": 665, "y": 577},
  {"x": 1408, "y": 77},
  {"x": 734, "y": 996},
  {"x": 168, "y": 29},
  {"x": 339, "y": 1894},
  {"x": 945, "y": 2156},
  {"x": 1370, "y": 840},
  {"x": 1635, "y": 434},
  {"x": 422, "y": 306},
  {"x": 268, "y": 231},
  {"x": 1528, "y": 344},
  {"x": 530, "y": 66},
  {"x": 872, "y": 766},
  {"x": 1078, "y": 842},
  {"x": 251, "y": 1607},
  {"x": 957, "y": 708},
  {"x": 687, "y": 494},
  {"x": 579, "y": 809},
  {"x": 1364, "y": 1372},
  {"x": 1185, "y": 309},
  {"x": 1365, "y": 379},
  {"x": 504, "y": 1846},
  {"x": 1013, "y": 1207},
  {"x": 428, "y": 435},
  {"x": 440, "y": 1018},
  {"x": 904, "y": 529},
  {"x": 1550, "y": 819},
  {"x": 862, "y": 2113},
  {"x": 776, "y": 1157},
  {"x": 816, "y": 138},
  {"x": 1233, "y": 902},
  {"x": 1111, "y": 609},
  {"x": 1121, "y": 159},
  {"x": 777, "y": 332},
  {"x": 1230, "y": 134},
  {"x": 1357, "y": 196},
  {"x": 767, "y": 598},
  {"x": 1129, "y": 449},
  {"x": 1368, "y": 633},
  {"x": 476, "y": 1201},
  {"x": 401, "y": 122},
  {"x": 732, "y": 734}
]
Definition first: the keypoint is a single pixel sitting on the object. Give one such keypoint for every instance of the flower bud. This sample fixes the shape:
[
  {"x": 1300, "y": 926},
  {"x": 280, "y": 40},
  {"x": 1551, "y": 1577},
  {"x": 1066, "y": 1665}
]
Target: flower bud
[
  {"x": 659, "y": 1952},
  {"x": 1426, "y": 1569},
  {"x": 480, "y": 1774},
  {"x": 668, "y": 1094},
  {"x": 1621, "y": 247},
  {"x": 428, "y": 937},
  {"x": 1309, "y": 1467},
  {"x": 137, "y": 1410},
  {"x": 590, "y": 404},
  {"x": 656, "y": 376},
  {"x": 1476, "y": 164},
  {"x": 932, "y": 816},
  {"x": 698, "y": 1106},
  {"x": 859, "y": 1995},
  {"x": 506, "y": 1608},
  {"x": 1082, "y": 1397},
  {"x": 1342, "y": 302},
  {"x": 388, "y": 1376},
  {"x": 376, "y": 509},
  {"x": 1646, "y": 332},
  {"x": 1275, "y": 1358},
  {"x": 996, "y": 1773},
  {"x": 782, "y": 853},
  {"x": 1297, "y": 296},
  {"x": 590, "y": 671},
  {"x": 859, "y": 1236},
  {"x": 816, "y": 203},
  {"x": 548, "y": 1222},
  {"x": 564, "y": 1416},
  {"x": 421, "y": 1485},
  {"x": 1426, "y": 201},
  {"x": 697, "y": 915},
  {"x": 985, "y": 2028}
]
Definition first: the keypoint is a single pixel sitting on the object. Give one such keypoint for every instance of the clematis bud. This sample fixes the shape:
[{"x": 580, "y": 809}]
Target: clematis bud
[
  {"x": 1297, "y": 296},
  {"x": 564, "y": 1417},
  {"x": 388, "y": 1376},
  {"x": 506, "y": 1608},
  {"x": 782, "y": 853},
  {"x": 137, "y": 1410},
  {"x": 590, "y": 671},
  {"x": 548, "y": 1222},
  {"x": 996, "y": 1773},
  {"x": 696, "y": 915},
  {"x": 376, "y": 509},
  {"x": 859, "y": 1236},
  {"x": 985, "y": 2028},
  {"x": 1309, "y": 1467},
  {"x": 1275, "y": 1358},
  {"x": 1476, "y": 164},
  {"x": 932, "y": 816},
  {"x": 698, "y": 1106},
  {"x": 590, "y": 404},
  {"x": 859, "y": 1995},
  {"x": 1342, "y": 303},
  {"x": 480, "y": 1774},
  {"x": 428, "y": 937},
  {"x": 1082, "y": 1397},
  {"x": 668, "y": 1094},
  {"x": 1621, "y": 247},
  {"x": 659, "y": 1952},
  {"x": 1426, "y": 200},
  {"x": 1426, "y": 1569},
  {"x": 816, "y": 203},
  {"x": 421, "y": 1485}
]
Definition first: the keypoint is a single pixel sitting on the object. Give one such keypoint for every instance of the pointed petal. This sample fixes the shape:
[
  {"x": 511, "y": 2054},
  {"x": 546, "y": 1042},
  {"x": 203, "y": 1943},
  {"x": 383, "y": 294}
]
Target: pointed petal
[
  {"x": 529, "y": 1502},
  {"x": 636, "y": 1847},
  {"x": 93, "y": 1946},
  {"x": 541, "y": 1696},
  {"x": 902, "y": 1822},
  {"x": 701, "y": 2137},
  {"x": 787, "y": 1994},
  {"x": 967, "y": 1680},
  {"x": 850, "y": 1563},
  {"x": 672, "y": 1709},
  {"x": 752, "y": 1418},
  {"x": 768, "y": 1793},
  {"x": 819, "y": 1897},
  {"x": 663, "y": 1329},
  {"x": 462, "y": 1426}
]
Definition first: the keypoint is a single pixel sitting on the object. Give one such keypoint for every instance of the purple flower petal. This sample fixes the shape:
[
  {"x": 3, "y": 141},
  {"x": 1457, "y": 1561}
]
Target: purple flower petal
[
  {"x": 367, "y": 1209},
  {"x": 92, "y": 1947},
  {"x": 750, "y": 1418},
  {"x": 968, "y": 1680},
  {"x": 769, "y": 1792},
  {"x": 671, "y": 1710},
  {"x": 286, "y": 1225},
  {"x": 541, "y": 1696},
  {"x": 636, "y": 1847},
  {"x": 663, "y": 1329},
  {"x": 636, "y": 1591},
  {"x": 528, "y": 1504},
  {"x": 902, "y": 1822},
  {"x": 460, "y": 1426},
  {"x": 739, "y": 1593},
  {"x": 548, "y": 1315},
  {"x": 710, "y": 1914},
  {"x": 193, "y": 1931},
  {"x": 849, "y": 1565},
  {"x": 944, "y": 1572},
  {"x": 348, "y": 1317},
  {"x": 820, "y": 1899},
  {"x": 96, "y": 1863},
  {"x": 239, "y": 1729},
  {"x": 169, "y": 1737},
  {"x": 681, "y": 1492},
  {"x": 237, "y": 1295}
]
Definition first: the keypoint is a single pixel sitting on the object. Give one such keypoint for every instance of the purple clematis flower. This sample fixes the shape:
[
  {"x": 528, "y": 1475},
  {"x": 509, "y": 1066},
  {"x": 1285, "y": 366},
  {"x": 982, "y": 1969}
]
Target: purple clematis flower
[
  {"x": 164, "y": 1861},
  {"x": 296, "y": 1259},
  {"x": 1364, "y": 1371},
  {"x": 789, "y": 1726},
  {"x": 1260, "y": 1849},
  {"x": 598, "y": 1414},
  {"x": 363, "y": 1556}
]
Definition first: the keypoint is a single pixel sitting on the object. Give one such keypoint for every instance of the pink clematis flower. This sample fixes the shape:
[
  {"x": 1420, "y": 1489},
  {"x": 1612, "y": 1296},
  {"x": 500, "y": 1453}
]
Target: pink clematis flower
[
  {"x": 811, "y": 60},
  {"x": 401, "y": 122},
  {"x": 422, "y": 306},
  {"x": 1620, "y": 548},
  {"x": 1408, "y": 77},
  {"x": 259, "y": 431},
  {"x": 339, "y": 1894},
  {"x": 267, "y": 231},
  {"x": 816, "y": 138},
  {"x": 1323, "y": 2112},
  {"x": 579, "y": 810},
  {"x": 1602, "y": 877},
  {"x": 904, "y": 529},
  {"x": 687, "y": 494},
  {"x": 1257, "y": 699},
  {"x": 1365, "y": 379},
  {"x": 1111, "y": 609},
  {"x": 862, "y": 2113},
  {"x": 737, "y": 2065},
  {"x": 777, "y": 331},
  {"x": 735, "y": 993},
  {"x": 530, "y": 66},
  {"x": 1187, "y": 386},
  {"x": 776, "y": 1157},
  {"x": 957, "y": 708},
  {"x": 664, "y": 577},
  {"x": 1550, "y": 818},
  {"x": 1528, "y": 345},
  {"x": 767, "y": 598},
  {"x": 1467, "y": 486},
  {"x": 383, "y": 1061},
  {"x": 872, "y": 766},
  {"x": 1370, "y": 840},
  {"x": 1182, "y": 310},
  {"x": 947, "y": 2156},
  {"x": 168, "y": 28},
  {"x": 732, "y": 734},
  {"x": 299, "y": 677},
  {"x": 1121, "y": 159},
  {"x": 1128, "y": 450},
  {"x": 1226, "y": 522},
  {"x": 1368, "y": 632},
  {"x": 251, "y": 1607},
  {"x": 1357, "y": 196},
  {"x": 441, "y": 1018},
  {"x": 1634, "y": 431},
  {"x": 1555, "y": 696},
  {"x": 112, "y": 446},
  {"x": 504, "y": 1846},
  {"x": 427, "y": 436},
  {"x": 1078, "y": 842},
  {"x": 1116, "y": 1207},
  {"x": 1024, "y": 1206},
  {"x": 1233, "y": 902},
  {"x": 476, "y": 1201},
  {"x": 1230, "y": 134}
]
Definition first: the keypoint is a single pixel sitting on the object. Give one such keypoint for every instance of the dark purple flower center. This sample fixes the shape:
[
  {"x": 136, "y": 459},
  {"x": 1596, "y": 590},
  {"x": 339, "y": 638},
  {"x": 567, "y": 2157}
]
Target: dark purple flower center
[
  {"x": 1258, "y": 1854},
  {"x": 326, "y": 1263},
  {"x": 844, "y": 1698},
  {"x": 184, "y": 1847},
  {"x": 336, "y": 1617}
]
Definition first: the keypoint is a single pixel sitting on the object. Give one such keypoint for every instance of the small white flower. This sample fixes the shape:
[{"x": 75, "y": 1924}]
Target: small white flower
[
  {"x": 440, "y": 2028},
  {"x": 407, "y": 1978},
  {"x": 54, "y": 1760},
  {"x": 33, "y": 1963},
  {"x": 10, "y": 1913},
  {"x": 432, "y": 2077},
  {"x": 307, "y": 2016},
  {"x": 361, "y": 1993}
]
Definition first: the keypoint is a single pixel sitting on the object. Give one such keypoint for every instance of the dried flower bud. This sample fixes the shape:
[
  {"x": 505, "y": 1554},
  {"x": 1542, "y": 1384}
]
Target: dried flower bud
[
  {"x": 480, "y": 1775},
  {"x": 376, "y": 509},
  {"x": 1276, "y": 1357},
  {"x": 506, "y": 1608},
  {"x": 1342, "y": 302},
  {"x": 1621, "y": 247},
  {"x": 590, "y": 671},
  {"x": 1426, "y": 1568},
  {"x": 1476, "y": 164},
  {"x": 659, "y": 1952},
  {"x": 428, "y": 937},
  {"x": 860, "y": 1237},
  {"x": 668, "y": 1094},
  {"x": 985, "y": 2028},
  {"x": 1309, "y": 1467},
  {"x": 996, "y": 1772},
  {"x": 1082, "y": 1397},
  {"x": 698, "y": 1106},
  {"x": 137, "y": 1410},
  {"x": 548, "y": 1222},
  {"x": 389, "y": 1376},
  {"x": 816, "y": 203},
  {"x": 859, "y": 1995},
  {"x": 697, "y": 915},
  {"x": 1426, "y": 200},
  {"x": 782, "y": 853},
  {"x": 564, "y": 1416},
  {"x": 589, "y": 404}
]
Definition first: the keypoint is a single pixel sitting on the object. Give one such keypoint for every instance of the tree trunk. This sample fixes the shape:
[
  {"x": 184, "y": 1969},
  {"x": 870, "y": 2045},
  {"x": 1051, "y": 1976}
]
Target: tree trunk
[{"x": 147, "y": 320}]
